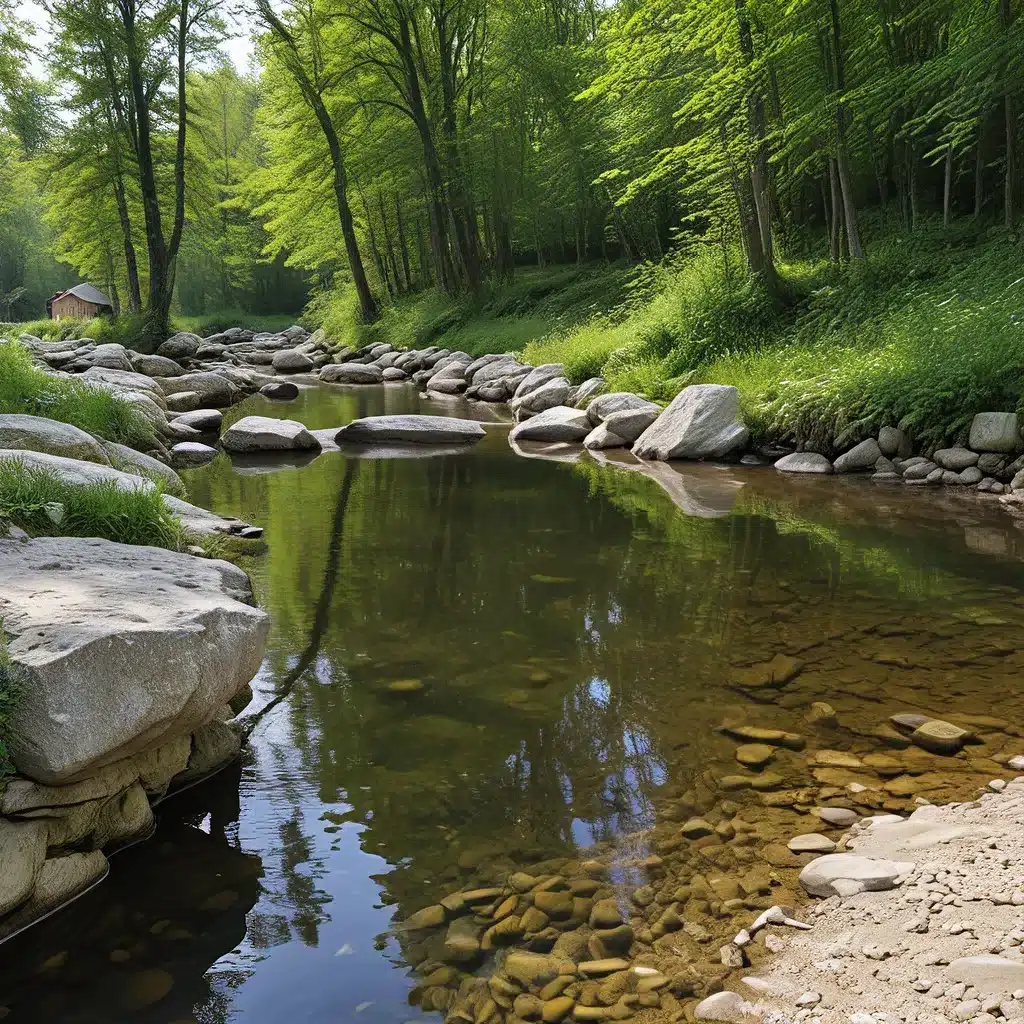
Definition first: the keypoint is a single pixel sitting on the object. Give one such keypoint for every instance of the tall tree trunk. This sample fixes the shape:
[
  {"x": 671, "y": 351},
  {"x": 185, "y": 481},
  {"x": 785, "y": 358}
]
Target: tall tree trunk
[
  {"x": 131, "y": 262},
  {"x": 403, "y": 243},
  {"x": 947, "y": 188},
  {"x": 835, "y": 249},
  {"x": 842, "y": 153}
]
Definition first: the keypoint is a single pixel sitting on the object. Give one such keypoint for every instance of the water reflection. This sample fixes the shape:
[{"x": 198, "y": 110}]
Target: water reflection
[{"x": 480, "y": 661}]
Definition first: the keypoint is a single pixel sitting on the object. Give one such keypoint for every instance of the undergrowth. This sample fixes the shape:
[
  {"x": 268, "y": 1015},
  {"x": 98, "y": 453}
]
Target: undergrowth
[
  {"x": 24, "y": 388},
  {"x": 12, "y": 687},
  {"x": 45, "y": 506}
]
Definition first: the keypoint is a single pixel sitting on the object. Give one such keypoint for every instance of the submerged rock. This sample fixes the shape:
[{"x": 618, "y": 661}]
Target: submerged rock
[
  {"x": 701, "y": 423},
  {"x": 134, "y": 645},
  {"x": 410, "y": 430}
]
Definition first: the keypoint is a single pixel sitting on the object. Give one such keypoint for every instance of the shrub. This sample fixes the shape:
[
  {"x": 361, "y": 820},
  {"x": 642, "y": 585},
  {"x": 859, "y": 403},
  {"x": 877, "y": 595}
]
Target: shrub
[
  {"x": 44, "y": 505},
  {"x": 24, "y": 388},
  {"x": 12, "y": 686}
]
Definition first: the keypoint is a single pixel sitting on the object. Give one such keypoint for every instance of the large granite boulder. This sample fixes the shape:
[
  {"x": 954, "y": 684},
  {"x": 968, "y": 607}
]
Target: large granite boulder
[
  {"x": 123, "y": 648},
  {"x": 860, "y": 458},
  {"x": 410, "y": 429},
  {"x": 182, "y": 345},
  {"x": 112, "y": 356},
  {"x": 538, "y": 376},
  {"x": 214, "y": 390},
  {"x": 995, "y": 432},
  {"x": 351, "y": 373},
  {"x": 804, "y": 462},
  {"x": 617, "y": 401},
  {"x": 546, "y": 396},
  {"x": 264, "y": 434},
  {"x": 128, "y": 460},
  {"x": 559, "y": 424},
  {"x": 156, "y": 366},
  {"x": 702, "y": 422},
  {"x": 290, "y": 361},
  {"x": 38, "y": 434}
]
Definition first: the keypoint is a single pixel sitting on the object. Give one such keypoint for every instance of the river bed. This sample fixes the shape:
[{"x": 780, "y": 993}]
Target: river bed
[{"x": 501, "y": 661}]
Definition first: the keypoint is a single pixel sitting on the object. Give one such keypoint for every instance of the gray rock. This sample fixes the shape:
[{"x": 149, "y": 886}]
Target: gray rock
[
  {"x": 993, "y": 464},
  {"x": 631, "y": 423},
  {"x": 546, "y": 396},
  {"x": 206, "y": 421},
  {"x": 843, "y": 874},
  {"x": 892, "y": 441},
  {"x": 722, "y": 1006},
  {"x": 918, "y": 470},
  {"x": 184, "y": 401},
  {"x": 60, "y": 881},
  {"x": 581, "y": 395},
  {"x": 995, "y": 432},
  {"x": 955, "y": 459},
  {"x": 351, "y": 373},
  {"x": 700, "y": 423},
  {"x": 111, "y": 356},
  {"x": 125, "y": 816},
  {"x": 182, "y": 345},
  {"x": 616, "y": 401},
  {"x": 38, "y": 434},
  {"x": 214, "y": 389},
  {"x": 182, "y": 431},
  {"x": 128, "y": 460},
  {"x": 989, "y": 974},
  {"x": 839, "y": 817},
  {"x": 558, "y": 424},
  {"x": 282, "y": 391},
  {"x": 447, "y": 385},
  {"x": 410, "y": 429},
  {"x": 804, "y": 462},
  {"x": 22, "y": 851},
  {"x": 393, "y": 375},
  {"x": 601, "y": 437},
  {"x": 971, "y": 475},
  {"x": 192, "y": 453},
  {"x": 537, "y": 376},
  {"x": 811, "y": 842},
  {"x": 135, "y": 645},
  {"x": 156, "y": 366},
  {"x": 214, "y": 746},
  {"x": 506, "y": 366},
  {"x": 859, "y": 458},
  {"x": 264, "y": 434},
  {"x": 291, "y": 361}
]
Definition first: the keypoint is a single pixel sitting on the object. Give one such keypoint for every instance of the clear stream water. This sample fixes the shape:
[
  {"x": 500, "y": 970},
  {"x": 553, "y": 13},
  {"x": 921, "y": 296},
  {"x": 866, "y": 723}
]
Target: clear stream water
[{"x": 574, "y": 627}]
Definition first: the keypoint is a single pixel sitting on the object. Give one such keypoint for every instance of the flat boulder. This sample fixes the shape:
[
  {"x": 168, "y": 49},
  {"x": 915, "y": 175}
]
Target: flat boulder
[
  {"x": 546, "y": 396},
  {"x": 264, "y": 434},
  {"x": 844, "y": 874},
  {"x": 410, "y": 430},
  {"x": 156, "y": 366},
  {"x": 804, "y": 462},
  {"x": 38, "y": 434},
  {"x": 956, "y": 460},
  {"x": 629, "y": 424},
  {"x": 133, "y": 645},
  {"x": 537, "y": 376},
  {"x": 206, "y": 421},
  {"x": 616, "y": 401},
  {"x": 290, "y": 361},
  {"x": 112, "y": 356},
  {"x": 701, "y": 423},
  {"x": 192, "y": 453},
  {"x": 561, "y": 423},
  {"x": 213, "y": 389},
  {"x": 351, "y": 373}
]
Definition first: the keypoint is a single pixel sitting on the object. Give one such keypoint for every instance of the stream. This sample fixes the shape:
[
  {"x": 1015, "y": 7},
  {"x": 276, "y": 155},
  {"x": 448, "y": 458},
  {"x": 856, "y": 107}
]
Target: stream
[{"x": 501, "y": 661}]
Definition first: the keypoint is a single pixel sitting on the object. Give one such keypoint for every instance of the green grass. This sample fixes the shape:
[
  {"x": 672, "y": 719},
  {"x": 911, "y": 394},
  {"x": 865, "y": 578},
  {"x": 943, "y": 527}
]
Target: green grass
[
  {"x": 501, "y": 319},
  {"x": 924, "y": 334},
  {"x": 24, "y": 388},
  {"x": 12, "y": 685},
  {"x": 45, "y": 506}
]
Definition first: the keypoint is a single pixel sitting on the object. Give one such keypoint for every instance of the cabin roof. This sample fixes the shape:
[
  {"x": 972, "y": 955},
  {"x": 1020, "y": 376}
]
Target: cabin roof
[{"x": 87, "y": 293}]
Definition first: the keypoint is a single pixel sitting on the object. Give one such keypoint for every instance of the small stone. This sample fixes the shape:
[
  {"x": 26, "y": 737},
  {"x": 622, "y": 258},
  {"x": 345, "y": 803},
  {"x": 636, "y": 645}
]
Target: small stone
[
  {"x": 697, "y": 828},
  {"x": 599, "y": 968},
  {"x": 732, "y": 955},
  {"x": 939, "y": 737},
  {"x": 809, "y": 999},
  {"x": 811, "y": 842},
  {"x": 723, "y": 1006},
  {"x": 754, "y": 755},
  {"x": 840, "y": 817}
]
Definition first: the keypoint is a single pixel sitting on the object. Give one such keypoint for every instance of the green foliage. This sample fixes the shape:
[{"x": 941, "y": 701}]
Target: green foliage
[
  {"x": 12, "y": 687},
  {"x": 43, "y": 505},
  {"x": 24, "y": 388},
  {"x": 222, "y": 319}
]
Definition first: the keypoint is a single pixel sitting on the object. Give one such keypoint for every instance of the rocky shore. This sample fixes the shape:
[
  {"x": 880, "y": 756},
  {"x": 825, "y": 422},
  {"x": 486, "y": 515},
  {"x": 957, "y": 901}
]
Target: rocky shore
[{"x": 129, "y": 661}]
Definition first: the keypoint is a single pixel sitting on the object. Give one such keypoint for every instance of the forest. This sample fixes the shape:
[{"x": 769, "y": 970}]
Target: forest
[{"x": 752, "y": 167}]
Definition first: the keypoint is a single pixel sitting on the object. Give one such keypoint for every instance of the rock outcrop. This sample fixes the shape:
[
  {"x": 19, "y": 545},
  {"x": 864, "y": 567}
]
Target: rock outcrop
[
  {"x": 702, "y": 422},
  {"x": 264, "y": 434}
]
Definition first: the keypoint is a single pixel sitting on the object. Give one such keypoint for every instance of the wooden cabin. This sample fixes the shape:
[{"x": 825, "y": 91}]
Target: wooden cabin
[{"x": 81, "y": 301}]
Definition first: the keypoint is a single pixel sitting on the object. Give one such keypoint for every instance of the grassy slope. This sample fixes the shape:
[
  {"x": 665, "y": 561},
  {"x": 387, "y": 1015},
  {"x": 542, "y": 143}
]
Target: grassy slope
[
  {"x": 24, "y": 388},
  {"x": 925, "y": 334}
]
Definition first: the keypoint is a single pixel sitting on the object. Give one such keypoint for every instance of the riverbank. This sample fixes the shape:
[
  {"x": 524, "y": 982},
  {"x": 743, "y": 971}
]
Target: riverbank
[{"x": 773, "y": 765}]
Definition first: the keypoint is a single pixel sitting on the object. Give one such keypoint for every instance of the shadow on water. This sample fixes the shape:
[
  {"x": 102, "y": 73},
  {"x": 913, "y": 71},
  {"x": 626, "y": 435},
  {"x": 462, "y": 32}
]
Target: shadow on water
[{"x": 478, "y": 661}]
